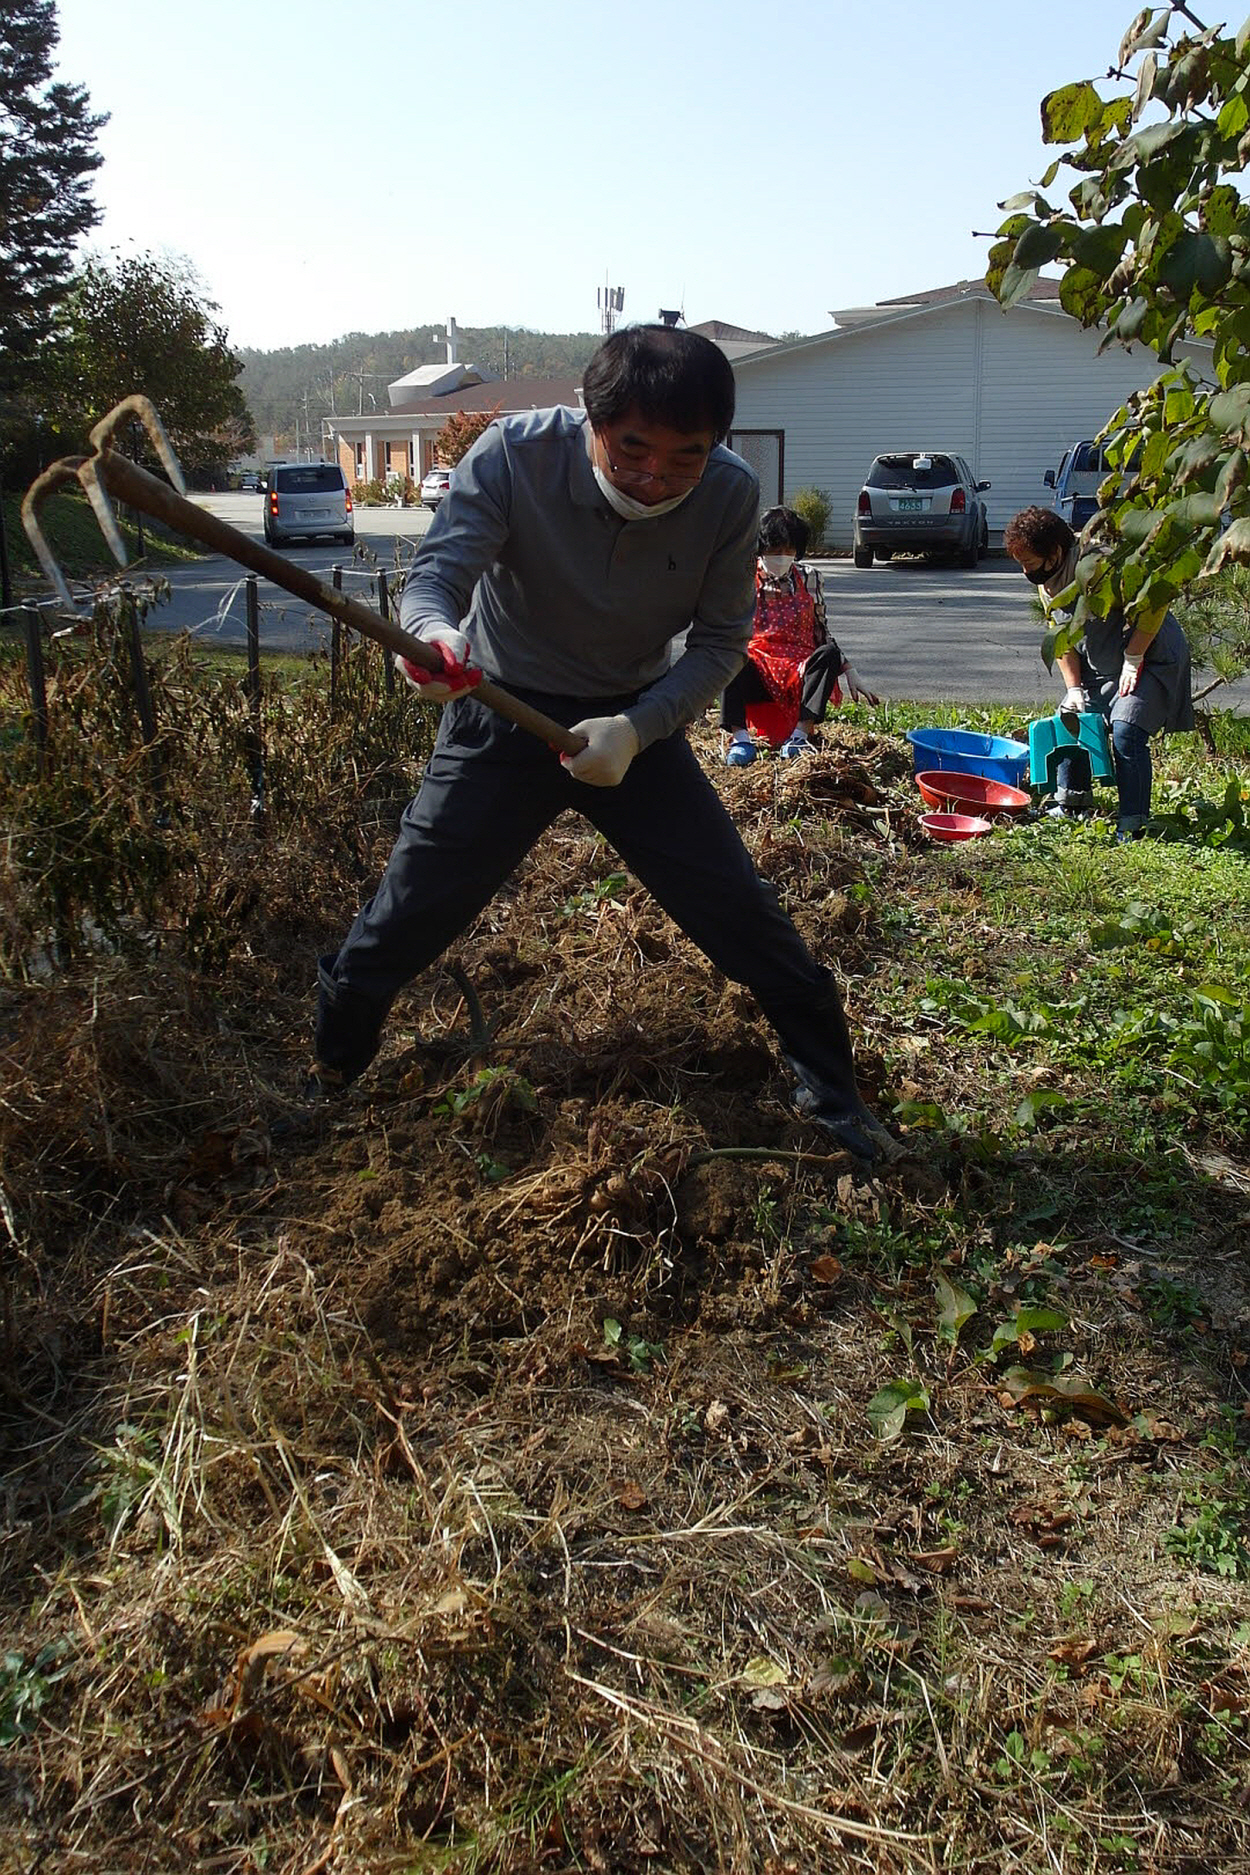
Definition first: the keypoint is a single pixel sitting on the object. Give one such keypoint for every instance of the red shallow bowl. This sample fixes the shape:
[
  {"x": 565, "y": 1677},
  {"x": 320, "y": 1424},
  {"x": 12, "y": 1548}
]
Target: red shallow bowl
[
  {"x": 955, "y": 826},
  {"x": 972, "y": 794}
]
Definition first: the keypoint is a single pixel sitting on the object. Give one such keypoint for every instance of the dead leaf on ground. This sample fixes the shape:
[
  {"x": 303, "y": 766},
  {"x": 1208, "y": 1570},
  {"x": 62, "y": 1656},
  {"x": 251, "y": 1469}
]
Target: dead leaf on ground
[
  {"x": 937, "y": 1561},
  {"x": 1074, "y": 1651},
  {"x": 827, "y": 1269},
  {"x": 1023, "y": 1384}
]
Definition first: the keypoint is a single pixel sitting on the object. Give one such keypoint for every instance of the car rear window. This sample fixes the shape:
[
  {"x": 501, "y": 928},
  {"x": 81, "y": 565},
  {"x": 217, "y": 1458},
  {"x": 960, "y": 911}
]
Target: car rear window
[
  {"x": 314, "y": 478},
  {"x": 901, "y": 472}
]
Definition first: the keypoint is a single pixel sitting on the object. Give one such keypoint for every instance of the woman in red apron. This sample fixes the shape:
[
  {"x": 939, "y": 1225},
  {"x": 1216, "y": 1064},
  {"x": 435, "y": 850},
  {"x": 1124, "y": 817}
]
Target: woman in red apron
[{"x": 794, "y": 667}]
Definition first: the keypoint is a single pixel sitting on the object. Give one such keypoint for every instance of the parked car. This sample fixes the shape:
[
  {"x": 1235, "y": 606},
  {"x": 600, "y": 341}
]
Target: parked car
[
  {"x": 250, "y": 481},
  {"x": 308, "y": 498},
  {"x": 434, "y": 485},
  {"x": 920, "y": 501},
  {"x": 1075, "y": 483}
]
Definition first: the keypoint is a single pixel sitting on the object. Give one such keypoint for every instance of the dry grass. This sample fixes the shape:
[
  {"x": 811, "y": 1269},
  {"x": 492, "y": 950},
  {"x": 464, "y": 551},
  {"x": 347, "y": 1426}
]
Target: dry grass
[{"x": 480, "y": 1477}]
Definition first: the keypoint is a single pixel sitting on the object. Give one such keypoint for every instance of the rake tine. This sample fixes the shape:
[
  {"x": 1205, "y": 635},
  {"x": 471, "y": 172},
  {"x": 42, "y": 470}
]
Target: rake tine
[
  {"x": 89, "y": 476},
  {"x": 67, "y": 470},
  {"x": 139, "y": 407}
]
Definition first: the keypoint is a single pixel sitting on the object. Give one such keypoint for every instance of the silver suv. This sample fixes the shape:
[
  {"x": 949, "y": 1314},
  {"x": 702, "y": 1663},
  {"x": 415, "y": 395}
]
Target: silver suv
[
  {"x": 309, "y": 498},
  {"x": 921, "y": 501}
]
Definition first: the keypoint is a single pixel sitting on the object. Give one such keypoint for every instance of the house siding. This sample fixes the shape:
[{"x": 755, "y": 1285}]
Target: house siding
[{"x": 1009, "y": 391}]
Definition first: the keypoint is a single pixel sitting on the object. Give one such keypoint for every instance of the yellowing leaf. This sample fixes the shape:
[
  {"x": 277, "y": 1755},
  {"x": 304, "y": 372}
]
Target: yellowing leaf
[{"x": 761, "y": 1671}]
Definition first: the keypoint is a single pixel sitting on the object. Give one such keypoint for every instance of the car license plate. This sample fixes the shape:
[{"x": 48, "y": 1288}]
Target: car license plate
[{"x": 909, "y": 506}]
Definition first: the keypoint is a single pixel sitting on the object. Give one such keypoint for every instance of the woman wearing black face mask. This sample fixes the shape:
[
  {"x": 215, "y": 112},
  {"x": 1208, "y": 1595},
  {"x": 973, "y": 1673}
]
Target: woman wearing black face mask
[{"x": 1133, "y": 670}]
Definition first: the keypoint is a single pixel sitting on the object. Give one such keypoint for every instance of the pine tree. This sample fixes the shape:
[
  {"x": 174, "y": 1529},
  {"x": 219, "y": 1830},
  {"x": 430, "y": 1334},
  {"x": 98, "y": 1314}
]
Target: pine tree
[{"x": 47, "y": 158}]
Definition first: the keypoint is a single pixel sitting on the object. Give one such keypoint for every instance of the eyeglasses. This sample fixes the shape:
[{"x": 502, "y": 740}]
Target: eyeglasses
[{"x": 642, "y": 478}]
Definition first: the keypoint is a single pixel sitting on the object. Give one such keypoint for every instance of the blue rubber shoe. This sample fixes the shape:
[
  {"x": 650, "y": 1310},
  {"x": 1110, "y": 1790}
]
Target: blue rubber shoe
[
  {"x": 792, "y": 746},
  {"x": 739, "y": 755}
]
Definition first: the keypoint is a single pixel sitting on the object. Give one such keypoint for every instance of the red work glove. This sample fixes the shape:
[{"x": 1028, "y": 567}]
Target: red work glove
[{"x": 456, "y": 677}]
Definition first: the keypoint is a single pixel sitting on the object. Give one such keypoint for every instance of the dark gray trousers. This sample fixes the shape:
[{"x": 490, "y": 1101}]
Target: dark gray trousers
[{"x": 489, "y": 791}]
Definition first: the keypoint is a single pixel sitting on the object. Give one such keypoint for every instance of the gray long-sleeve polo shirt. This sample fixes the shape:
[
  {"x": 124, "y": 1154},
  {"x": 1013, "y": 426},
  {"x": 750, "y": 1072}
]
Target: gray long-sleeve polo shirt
[{"x": 557, "y": 593}]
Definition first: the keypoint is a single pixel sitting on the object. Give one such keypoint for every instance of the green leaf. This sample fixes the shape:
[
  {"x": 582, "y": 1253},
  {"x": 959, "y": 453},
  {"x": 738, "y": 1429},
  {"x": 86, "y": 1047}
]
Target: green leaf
[
  {"x": 1100, "y": 248},
  {"x": 1233, "y": 544},
  {"x": 1037, "y": 1102},
  {"x": 1147, "y": 144},
  {"x": 1229, "y": 413},
  {"x": 1069, "y": 112},
  {"x": 1082, "y": 295},
  {"x": 611, "y": 1331},
  {"x": 1196, "y": 260},
  {"x": 1221, "y": 209},
  {"x": 955, "y": 1306},
  {"x": 1147, "y": 29},
  {"x": 1146, "y": 79},
  {"x": 888, "y": 1409},
  {"x": 1028, "y": 201},
  {"x": 1015, "y": 285},
  {"x": 1130, "y": 322},
  {"x": 1039, "y": 243},
  {"x": 1029, "y": 1319},
  {"x": 1234, "y": 116}
]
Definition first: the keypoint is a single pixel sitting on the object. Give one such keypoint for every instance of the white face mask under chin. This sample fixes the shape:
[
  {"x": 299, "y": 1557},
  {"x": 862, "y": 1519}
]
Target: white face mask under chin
[{"x": 627, "y": 507}]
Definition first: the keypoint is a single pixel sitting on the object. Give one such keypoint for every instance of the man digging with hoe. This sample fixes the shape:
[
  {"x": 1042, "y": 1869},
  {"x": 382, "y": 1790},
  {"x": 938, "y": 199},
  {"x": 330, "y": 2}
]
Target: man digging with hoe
[{"x": 571, "y": 549}]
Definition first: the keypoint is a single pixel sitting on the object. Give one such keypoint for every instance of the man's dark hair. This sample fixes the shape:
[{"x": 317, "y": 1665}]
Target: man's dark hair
[
  {"x": 669, "y": 376},
  {"x": 1038, "y": 530},
  {"x": 781, "y": 528}
]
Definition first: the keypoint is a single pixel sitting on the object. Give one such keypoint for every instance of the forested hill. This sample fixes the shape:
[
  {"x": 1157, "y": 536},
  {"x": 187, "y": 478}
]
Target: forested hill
[{"x": 300, "y": 384}]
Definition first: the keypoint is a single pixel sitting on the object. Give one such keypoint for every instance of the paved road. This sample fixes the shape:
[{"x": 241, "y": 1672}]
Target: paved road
[
  {"x": 912, "y": 630},
  {"x": 208, "y": 600}
]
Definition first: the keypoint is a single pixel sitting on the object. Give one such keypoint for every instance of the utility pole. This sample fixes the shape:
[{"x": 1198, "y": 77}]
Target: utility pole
[{"x": 360, "y": 377}]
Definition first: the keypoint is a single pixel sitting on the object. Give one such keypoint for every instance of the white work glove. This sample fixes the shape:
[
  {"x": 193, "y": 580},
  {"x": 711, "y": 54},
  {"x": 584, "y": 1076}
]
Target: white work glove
[
  {"x": 611, "y": 745},
  {"x": 1074, "y": 698},
  {"x": 857, "y": 689},
  {"x": 1128, "y": 672},
  {"x": 457, "y": 678}
]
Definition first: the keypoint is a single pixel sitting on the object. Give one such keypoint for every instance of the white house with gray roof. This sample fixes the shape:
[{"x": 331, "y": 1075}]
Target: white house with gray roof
[{"x": 946, "y": 370}]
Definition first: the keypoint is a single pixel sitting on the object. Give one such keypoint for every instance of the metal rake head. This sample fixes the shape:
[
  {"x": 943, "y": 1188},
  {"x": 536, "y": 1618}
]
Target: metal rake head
[{"x": 86, "y": 471}]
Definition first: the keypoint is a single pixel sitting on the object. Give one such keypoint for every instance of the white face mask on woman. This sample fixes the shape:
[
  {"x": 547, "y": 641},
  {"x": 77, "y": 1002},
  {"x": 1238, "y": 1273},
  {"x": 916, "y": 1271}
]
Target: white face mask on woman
[
  {"x": 776, "y": 565},
  {"x": 628, "y": 508}
]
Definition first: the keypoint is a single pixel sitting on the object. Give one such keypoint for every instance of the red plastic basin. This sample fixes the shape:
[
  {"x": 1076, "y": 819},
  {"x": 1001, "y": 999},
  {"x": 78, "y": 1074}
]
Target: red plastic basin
[
  {"x": 955, "y": 826},
  {"x": 969, "y": 794}
]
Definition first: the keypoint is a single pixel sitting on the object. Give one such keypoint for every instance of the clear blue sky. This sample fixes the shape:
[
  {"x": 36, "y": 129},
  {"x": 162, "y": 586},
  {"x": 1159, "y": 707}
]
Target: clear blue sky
[{"x": 334, "y": 166}]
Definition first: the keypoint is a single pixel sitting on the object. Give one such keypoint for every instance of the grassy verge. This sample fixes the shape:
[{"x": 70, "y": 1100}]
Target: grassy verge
[
  {"x": 73, "y": 534},
  {"x": 551, "y": 1458}
]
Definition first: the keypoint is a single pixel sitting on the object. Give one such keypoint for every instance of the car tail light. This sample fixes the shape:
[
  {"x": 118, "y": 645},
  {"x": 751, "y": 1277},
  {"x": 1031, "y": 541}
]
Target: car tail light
[
  {"x": 347, "y": 498},
  {"x": 273, "y": 501},
  {"x": 864, "y": 504},
  {"x": 959, "y": 502}
]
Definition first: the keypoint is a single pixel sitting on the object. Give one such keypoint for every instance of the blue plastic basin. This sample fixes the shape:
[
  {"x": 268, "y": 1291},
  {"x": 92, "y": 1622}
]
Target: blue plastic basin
[{"x": 998, "y": 758}]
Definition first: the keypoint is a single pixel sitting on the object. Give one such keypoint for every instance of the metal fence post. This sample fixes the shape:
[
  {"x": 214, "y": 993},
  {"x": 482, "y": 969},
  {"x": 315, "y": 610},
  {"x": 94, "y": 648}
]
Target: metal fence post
[
  {"x": 255, "y": 742},
  {"x": 336, "y": 644},
  {"x": 38, "y": 686},
  {"x": 384, "y": 607}
]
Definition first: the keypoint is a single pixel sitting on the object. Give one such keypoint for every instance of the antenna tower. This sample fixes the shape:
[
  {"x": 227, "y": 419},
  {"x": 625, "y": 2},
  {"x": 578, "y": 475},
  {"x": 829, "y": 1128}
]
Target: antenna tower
[{"x": 611, "y": 300}]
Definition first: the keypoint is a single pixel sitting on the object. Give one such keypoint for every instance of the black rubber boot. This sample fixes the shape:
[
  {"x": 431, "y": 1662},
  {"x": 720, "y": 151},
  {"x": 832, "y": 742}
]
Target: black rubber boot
[
  {"x": 816, "y": 1044},
  {"x": 349, "y": 1027}
]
